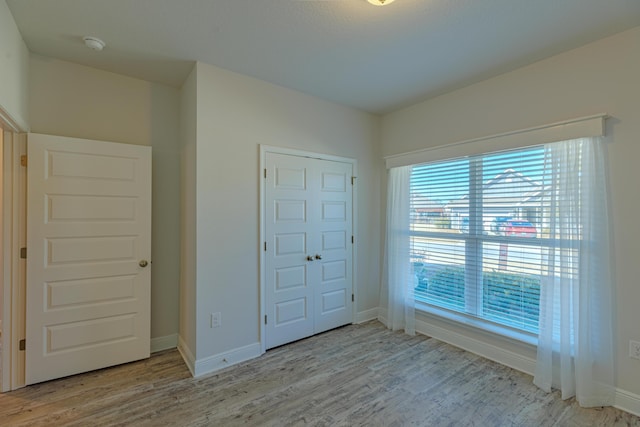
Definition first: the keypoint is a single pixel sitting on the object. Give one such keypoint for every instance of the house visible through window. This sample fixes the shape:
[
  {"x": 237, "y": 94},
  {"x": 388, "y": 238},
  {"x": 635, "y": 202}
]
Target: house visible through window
[{"x": 481, "y": 237}]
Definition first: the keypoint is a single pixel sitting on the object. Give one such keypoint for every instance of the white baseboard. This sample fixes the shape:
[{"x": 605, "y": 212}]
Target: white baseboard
[
  {"x": 627, "y": 401},
  {"x": 228, "y": 358},
  {"x": 365, "y": 316},
  {"x": 164, "y": 343},
  {"x": 489, "y": 351},
  {"x": 219, "y": 361},
  {"x": 187, "y": 355},
  {"x": 476, "y": 346},
  {"x": 382, "y": 316}
]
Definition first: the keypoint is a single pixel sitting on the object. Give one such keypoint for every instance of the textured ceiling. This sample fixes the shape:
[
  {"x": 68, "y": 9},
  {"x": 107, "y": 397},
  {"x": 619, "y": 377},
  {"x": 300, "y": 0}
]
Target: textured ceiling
[{"x": 373, "y": 58}]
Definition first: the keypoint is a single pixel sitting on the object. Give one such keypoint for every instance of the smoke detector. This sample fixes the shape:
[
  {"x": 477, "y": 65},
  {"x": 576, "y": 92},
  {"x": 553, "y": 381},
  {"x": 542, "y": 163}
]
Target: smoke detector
[
  {"x": 380, "y": 2},
  {"x": 94, "y": 43}
]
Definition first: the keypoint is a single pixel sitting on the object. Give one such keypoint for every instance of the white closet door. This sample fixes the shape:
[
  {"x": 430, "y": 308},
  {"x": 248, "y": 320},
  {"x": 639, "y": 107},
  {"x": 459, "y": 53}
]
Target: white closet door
[
  {"x": 332, "y": 244},
  {"x": 89, "y": 248},
  {"x": 308, "y": 262}
]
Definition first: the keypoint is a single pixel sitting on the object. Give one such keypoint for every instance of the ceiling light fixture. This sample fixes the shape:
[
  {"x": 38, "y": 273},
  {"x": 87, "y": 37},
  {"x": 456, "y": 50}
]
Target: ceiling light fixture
[
  {"x": 94, "y": 43},
  {"x": 380, "y": 2}
]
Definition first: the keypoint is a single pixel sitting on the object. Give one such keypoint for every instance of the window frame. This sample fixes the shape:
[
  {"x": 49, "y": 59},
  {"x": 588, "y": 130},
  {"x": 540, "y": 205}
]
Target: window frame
[{"x": 474, "y": 286}]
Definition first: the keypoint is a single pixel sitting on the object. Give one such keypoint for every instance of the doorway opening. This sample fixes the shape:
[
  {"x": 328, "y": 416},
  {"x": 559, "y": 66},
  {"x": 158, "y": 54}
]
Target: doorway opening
[{"x": 12, "y": 268}]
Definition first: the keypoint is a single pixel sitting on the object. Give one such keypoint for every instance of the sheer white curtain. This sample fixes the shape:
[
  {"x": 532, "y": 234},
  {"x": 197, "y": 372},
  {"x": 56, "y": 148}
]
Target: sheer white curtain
[
  {"x": 398, "y": 283},
  {"x": 575, "y": 345}
]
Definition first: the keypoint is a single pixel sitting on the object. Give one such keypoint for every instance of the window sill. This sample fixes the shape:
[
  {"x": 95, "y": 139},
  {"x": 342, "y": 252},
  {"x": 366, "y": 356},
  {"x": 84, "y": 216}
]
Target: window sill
[{"x": 478, "y": 324}]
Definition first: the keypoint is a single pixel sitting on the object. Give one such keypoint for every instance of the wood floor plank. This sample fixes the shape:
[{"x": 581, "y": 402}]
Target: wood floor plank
[{"x": 359, "y": 375}]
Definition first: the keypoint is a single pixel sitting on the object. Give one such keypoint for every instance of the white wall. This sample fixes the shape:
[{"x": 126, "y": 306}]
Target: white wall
[
  {"x": 235, "y": 114},
  {"x": 600, "y": 77},
  {"x": 14, "y": 71},
  {"x": 72, "y": 100}
]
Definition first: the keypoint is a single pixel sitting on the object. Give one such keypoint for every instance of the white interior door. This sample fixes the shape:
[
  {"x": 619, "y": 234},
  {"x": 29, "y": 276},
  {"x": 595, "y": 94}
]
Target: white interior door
[
  {"x": 308, "y": 261},
  {"x": 89, "y": 248},
  {"x": 333, "y": 283}
]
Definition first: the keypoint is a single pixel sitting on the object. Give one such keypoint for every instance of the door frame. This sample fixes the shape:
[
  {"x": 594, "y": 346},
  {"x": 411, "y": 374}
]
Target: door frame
[
  {"x": 264, "y": 149},
  {"x": 14, "y": 268}
]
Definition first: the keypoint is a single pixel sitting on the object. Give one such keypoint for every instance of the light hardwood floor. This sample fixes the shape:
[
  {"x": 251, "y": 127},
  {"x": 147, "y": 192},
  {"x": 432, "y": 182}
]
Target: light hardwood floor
[{"x": 359, "y": 375}]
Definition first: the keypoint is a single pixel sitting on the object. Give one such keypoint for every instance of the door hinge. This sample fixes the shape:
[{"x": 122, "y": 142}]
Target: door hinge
[
  {"x": 23, "y": 160},
  {"x": 23, "y": 253},
  {"x": 22, "y": 345},
  {"x": 265, "y": 246},
  {"x": 353, "y": 298},
  {"x": 352, "y": 240},
  {"x": 265, "y": 319},
  {"x": 265, "y": 173},
  {"x": 353, "y": 180}
]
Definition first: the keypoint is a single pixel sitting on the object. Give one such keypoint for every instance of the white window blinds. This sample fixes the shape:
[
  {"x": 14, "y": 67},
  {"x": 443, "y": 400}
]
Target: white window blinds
[{"x": 483, "y": 234}]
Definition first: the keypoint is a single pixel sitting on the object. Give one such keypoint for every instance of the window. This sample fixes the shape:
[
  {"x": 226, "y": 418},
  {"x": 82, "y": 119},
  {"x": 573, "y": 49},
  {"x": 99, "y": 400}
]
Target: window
[
  {"x": 483, "y": 232},
  {"x": 518, "y": 238}
]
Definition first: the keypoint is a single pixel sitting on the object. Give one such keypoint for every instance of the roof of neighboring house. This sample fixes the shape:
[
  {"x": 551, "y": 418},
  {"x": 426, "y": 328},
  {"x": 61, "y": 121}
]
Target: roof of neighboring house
[
  {"x": 508, "y": 188},
  {"x": 421, "y": 203}
]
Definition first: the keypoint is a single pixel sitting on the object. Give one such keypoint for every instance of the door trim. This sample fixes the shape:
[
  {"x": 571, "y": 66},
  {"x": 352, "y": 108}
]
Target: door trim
[
  {"x": 264, "y": 149},
  {"x": 13, "y": 229},
  {"x": 14, "y": 269}
]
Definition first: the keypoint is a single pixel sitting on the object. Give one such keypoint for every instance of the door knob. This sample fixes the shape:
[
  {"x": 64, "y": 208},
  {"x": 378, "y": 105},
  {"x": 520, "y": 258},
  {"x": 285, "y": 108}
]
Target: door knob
[
  {"x": 309, "y": 258},
  {"x": 318, "y": 256},
  {"x": 143, "y": 263}
]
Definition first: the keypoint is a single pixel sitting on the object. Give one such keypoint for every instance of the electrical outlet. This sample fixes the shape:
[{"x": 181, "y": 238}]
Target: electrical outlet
[
  {"x": 216, "y": 320},
  {"x": 634, "y": 349}
]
